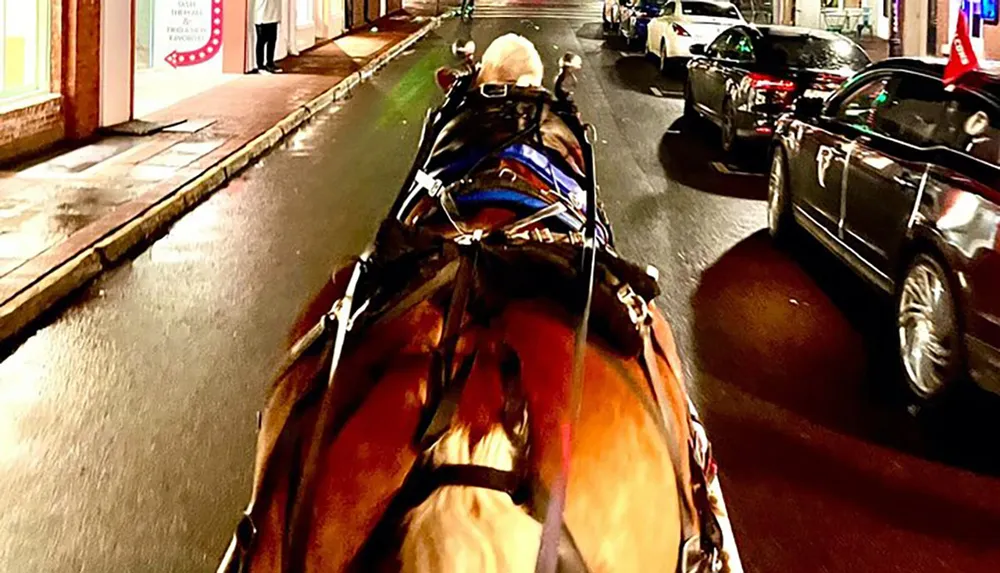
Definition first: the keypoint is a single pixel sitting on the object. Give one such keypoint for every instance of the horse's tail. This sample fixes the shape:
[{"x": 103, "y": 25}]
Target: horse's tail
[{"x": 462, "y": 528}]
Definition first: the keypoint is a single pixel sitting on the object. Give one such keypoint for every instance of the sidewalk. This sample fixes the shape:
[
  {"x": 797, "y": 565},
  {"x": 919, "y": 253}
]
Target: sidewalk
[
  {"x": 67, "y": 217},
  {"x": 877, "y": 48}
]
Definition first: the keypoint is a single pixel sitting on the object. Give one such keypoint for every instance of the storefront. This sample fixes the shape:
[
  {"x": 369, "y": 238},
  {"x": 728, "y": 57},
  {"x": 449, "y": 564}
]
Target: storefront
[{"x": 180, "y": 49}]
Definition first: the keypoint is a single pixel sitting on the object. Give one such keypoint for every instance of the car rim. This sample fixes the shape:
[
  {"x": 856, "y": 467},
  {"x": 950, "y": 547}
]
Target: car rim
[
  {"x": 923, "y": 330},
  {"x": 775, "y": 191}
]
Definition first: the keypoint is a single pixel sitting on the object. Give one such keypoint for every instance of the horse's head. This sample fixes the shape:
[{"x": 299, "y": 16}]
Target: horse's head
[
  {"x": 502, "y": 146},
  {"x": 509, "y": 59}
]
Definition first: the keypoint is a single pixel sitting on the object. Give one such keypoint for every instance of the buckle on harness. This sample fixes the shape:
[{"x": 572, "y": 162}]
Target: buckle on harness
[
  {"x": 638, "y": 312},
  {"x": 493, "y": 90}
]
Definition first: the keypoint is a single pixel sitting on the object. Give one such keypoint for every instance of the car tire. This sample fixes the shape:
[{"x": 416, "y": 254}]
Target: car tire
[
  {"x": 780, "y": 222},
  {"x": 729, "y": 140},
  {"x": 929, "y": 341},
  {"x": 663, "y": 56}
]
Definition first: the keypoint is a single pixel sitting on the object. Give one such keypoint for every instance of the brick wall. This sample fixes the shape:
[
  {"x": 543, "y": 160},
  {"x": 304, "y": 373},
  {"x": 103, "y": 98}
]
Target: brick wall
[{"x": 33, "y": 125}]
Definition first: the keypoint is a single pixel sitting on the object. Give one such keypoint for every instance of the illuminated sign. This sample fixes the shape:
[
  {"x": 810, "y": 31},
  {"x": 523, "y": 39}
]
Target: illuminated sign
[{"x": 988, "y": 10}]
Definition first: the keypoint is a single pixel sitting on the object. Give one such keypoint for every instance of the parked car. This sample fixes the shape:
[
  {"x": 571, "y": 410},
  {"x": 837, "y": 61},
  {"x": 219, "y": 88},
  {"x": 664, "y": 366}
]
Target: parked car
[
  {"x": 686, "y": 22},
  {"x": 898, "y": 177},
  {"x": 745, "y": 79},
  {"x": 635, "y": 17}
]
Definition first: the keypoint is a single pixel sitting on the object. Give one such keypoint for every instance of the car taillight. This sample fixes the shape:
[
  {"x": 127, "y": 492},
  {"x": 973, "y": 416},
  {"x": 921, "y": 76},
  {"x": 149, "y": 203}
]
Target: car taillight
[
  {"x": 765, "y": 82},
  {"x": 680, "y": 31},
  {"x": 829, "y": 82}
]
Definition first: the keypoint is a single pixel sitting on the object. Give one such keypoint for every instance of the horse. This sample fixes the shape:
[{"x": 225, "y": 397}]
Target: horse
[{"x": 489, "y": 386}]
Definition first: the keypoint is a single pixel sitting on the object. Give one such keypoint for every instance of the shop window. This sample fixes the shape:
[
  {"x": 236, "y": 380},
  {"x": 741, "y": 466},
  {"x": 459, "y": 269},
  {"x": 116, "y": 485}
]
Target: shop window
[{"x": 24, "y": 47}]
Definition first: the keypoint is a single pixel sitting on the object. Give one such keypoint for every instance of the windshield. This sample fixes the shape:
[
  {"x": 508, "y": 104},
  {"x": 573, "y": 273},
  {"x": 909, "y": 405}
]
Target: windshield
[
  {"x": 709, "y": 9},
  {"x": 812, "y": 52}
]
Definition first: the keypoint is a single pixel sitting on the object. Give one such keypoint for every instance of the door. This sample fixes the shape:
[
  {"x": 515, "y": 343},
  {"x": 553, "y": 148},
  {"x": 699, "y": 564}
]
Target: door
[
  {"x": 701, "y": 72},
  {"x": 825, "y": 148},
  {"x": 887, "y": 169},
  {"x": 712, "y": 73}
]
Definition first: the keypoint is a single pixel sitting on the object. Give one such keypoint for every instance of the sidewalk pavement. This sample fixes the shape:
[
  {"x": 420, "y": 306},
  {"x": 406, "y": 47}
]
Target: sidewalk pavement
[
  {"x": 66, "y": 218},
  {"x": 877, "y": 48}
]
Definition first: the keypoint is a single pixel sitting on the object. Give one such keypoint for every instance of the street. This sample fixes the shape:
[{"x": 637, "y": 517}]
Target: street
[{"x": 127, "y": 420}]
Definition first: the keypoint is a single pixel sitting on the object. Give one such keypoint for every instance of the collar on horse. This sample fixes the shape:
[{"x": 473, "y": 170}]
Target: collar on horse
[{"x": 575, "y": 264}]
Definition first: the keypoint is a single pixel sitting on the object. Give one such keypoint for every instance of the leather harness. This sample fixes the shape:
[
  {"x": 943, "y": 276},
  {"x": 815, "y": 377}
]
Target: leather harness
[{"x": 408, "y": 264}]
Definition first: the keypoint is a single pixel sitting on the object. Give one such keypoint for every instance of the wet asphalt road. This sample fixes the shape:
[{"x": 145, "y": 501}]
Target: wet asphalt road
[{"x": 127, "y": 421}]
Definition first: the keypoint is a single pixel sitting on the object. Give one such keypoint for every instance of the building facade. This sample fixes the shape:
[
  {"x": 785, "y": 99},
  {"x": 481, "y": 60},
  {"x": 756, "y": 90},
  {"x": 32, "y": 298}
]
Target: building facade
[
  {"x": 70, "y": 67},
  {"x": 926, "y": 27}
]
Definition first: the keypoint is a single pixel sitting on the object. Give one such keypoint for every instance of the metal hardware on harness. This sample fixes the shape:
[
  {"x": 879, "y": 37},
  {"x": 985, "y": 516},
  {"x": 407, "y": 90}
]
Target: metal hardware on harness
[
  {"x": 638, "y": 312},
  {"x": 493, "y": 90},
  {"x": 513, "y": 176},
  {"x": 468, "y": 238},
  {"x": 543, "y": 235},
  {"x": 433, "y": 185}
]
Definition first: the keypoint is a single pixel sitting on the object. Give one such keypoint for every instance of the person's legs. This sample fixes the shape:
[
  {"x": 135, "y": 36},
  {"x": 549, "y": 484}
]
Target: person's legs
[
  {"x": 259, "y": 46},
  {"x": 272, "y": 40}
]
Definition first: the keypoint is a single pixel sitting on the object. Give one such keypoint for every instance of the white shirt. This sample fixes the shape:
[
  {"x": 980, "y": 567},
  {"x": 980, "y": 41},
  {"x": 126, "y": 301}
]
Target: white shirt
[{"x": 267, "y": 11}]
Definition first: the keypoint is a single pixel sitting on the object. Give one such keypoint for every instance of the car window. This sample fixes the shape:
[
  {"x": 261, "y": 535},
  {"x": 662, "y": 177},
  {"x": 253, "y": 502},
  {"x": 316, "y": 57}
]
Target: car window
[
  {"x": 670, "y": 8},
  {"x": 812, "y": 52},
  {"x": 971, "y": 125},
  {"x": 710, "y": 10},
  {"x": 718, "y": 47},
  {"x": 915, "y": 105},
  {"x": 741, "y": 48},
  {"x": 857, "y": 110}
]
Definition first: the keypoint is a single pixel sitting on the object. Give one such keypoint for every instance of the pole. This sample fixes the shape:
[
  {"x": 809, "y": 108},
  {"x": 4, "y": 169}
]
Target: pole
[{"x": 895, "y": 43}]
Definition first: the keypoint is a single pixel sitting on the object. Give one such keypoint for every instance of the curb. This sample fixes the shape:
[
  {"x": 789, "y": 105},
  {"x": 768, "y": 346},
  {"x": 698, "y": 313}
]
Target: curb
[{"x": 30, "y": 303}]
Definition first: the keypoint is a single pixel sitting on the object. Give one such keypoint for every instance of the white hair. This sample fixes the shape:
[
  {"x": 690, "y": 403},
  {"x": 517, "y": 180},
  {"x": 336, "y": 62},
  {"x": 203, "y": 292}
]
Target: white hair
[
  {"x": 461, "y": 529},
  {"x": 511, "y": 59}
]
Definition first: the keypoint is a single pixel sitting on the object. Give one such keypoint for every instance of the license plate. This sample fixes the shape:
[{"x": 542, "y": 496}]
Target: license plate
[{"x": 821, "y": 94}]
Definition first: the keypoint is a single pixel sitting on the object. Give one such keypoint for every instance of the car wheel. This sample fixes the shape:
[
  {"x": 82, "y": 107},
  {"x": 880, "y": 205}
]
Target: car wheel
[
  {"x": 779, "y": 202},
  {"x": 929, "y": 334},
  {"x": 663, "y": 56},
  {"x": 728, "y": 129}
]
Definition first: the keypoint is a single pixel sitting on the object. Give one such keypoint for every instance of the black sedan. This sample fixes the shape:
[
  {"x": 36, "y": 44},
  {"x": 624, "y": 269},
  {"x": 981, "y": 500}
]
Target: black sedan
[
  {"x": 898, "y": 176},
  {"x": 749, "y": 75}
]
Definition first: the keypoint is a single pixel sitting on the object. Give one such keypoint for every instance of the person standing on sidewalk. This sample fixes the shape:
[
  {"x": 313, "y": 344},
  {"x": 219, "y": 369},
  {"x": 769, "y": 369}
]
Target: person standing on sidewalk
[{"x": 267, "y": 14}]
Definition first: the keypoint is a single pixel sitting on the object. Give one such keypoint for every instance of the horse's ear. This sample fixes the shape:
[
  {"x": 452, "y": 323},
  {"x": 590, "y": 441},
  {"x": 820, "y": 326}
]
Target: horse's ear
[{"x": 446, "y": 78}]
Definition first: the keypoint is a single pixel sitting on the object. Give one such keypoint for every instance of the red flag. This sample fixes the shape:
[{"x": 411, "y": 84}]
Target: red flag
[{"x": 962, "y": 59}]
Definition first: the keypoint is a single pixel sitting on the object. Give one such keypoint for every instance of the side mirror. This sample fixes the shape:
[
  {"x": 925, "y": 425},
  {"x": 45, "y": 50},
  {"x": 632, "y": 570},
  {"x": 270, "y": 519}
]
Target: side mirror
[
  {"x": 465, "y": 50},
  {"x": 808, "y": 107},
  {"x": 697, "y": 49}
]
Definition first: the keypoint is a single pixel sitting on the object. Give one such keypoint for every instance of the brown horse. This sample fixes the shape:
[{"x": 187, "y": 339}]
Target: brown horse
[{"x": 341, "y": 482}]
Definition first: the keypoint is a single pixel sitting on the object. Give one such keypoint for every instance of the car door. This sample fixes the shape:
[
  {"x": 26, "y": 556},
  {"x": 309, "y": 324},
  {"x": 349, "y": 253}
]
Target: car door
[
  {"x": 887, "y": 171},
  {"x": 722, "y": 70},
  {"x": 823, "y": 148},
  {"x": 701, "y": 72}
]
